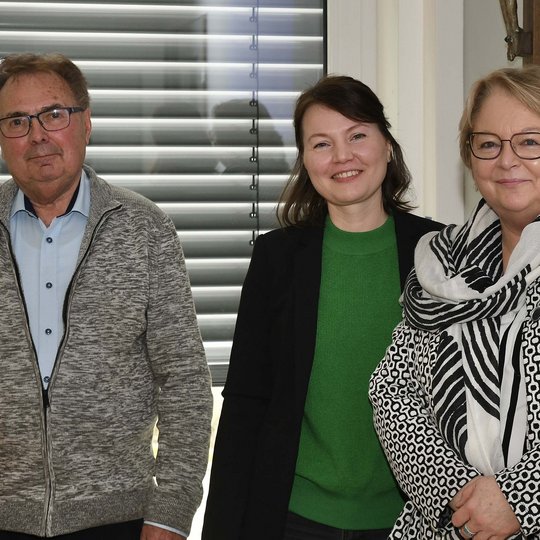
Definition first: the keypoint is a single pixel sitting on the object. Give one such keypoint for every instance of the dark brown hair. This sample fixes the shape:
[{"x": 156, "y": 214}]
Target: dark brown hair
[
  {"x": 300, "y": 204},
  {"x": 14, "y": 65}
]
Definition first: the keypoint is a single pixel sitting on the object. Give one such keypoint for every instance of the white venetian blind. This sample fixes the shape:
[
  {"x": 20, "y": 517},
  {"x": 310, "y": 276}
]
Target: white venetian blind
[{"x": 192, "y": 104}]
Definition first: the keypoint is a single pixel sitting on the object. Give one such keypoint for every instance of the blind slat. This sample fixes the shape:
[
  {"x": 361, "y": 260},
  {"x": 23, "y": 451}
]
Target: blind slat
[
  {"x": 233, "y": 76},
  {"x": 186, "y": 103},
  {"x": 159, "y": 19},
  {"x": 148, "y": 47},
  {"x": 219, "y": 215},
  {"x": 169, "y": 159},
  {"x": 216, "y": 327},
  {"x": 217, "y": 299},
  {"x": 191, "y": 131},
  {"x": 207, "y": 272},
  {"x": 211, "y": 187},
  {"x": 216, "y": 243}
]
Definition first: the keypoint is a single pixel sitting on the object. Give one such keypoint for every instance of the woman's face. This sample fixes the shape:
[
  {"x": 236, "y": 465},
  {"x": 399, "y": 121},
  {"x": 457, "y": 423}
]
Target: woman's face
[
  {"x": 510, "y": 185},
  {"x": 346, "y": 160}
]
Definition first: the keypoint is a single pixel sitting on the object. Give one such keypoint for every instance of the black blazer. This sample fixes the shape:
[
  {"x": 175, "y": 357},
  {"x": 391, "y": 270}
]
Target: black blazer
[{"x": 259, "y": 429}]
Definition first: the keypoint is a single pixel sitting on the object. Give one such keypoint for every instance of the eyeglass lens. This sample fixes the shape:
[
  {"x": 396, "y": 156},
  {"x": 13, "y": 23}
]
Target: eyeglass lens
[
  {"x": 489, "y": 145},
  {"x": 19, "y": 126}
]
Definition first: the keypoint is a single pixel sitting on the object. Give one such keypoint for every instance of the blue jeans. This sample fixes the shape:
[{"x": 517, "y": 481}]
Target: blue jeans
[{"x": 300, "y": 528}]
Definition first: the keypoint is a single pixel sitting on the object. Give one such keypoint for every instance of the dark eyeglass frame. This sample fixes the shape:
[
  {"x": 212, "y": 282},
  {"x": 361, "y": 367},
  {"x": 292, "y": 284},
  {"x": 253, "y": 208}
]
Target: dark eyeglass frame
[
  {"x": 37, "y": 116},
  {"x": 471, "y": 136}
]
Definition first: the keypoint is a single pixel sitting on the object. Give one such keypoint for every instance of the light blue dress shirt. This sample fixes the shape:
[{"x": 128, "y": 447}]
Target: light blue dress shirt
[{"x": 47, "y": 257}]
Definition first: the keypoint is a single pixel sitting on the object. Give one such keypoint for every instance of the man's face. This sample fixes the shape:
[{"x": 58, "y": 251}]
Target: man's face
[{"x": 45, "y": 164}]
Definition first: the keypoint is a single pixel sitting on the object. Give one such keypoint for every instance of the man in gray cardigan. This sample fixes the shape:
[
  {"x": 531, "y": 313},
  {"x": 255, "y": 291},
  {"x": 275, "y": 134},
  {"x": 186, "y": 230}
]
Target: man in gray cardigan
[{"x": 98, "y": 333}]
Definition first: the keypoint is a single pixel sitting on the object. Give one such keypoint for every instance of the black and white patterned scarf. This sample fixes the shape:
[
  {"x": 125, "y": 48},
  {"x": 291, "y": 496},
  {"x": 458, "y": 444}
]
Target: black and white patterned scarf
[{"x": 458, "y": 288}]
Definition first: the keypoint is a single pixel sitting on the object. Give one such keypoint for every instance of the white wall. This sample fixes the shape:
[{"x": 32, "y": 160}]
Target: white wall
[
  {"x": 420, "y": 57},
  {"x": 486, "y": 51}
]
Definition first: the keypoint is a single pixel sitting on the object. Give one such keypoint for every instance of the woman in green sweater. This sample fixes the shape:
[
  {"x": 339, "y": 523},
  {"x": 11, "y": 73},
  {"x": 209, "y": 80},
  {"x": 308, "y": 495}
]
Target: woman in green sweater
[{"x": 296, "y": 455}]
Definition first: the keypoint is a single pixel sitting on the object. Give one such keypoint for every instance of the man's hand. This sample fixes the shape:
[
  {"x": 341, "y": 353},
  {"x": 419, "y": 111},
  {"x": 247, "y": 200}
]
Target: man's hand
[
  {"x": 151, "y": 532},
  {"x": 482, "y": 506}
]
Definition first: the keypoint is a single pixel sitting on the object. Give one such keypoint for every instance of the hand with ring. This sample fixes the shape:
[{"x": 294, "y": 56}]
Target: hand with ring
[{"x": 482, "y": 511}]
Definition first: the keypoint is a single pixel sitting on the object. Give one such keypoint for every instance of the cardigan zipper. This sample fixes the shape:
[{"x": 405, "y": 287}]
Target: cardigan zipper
[{"x": 65, "y": 314}]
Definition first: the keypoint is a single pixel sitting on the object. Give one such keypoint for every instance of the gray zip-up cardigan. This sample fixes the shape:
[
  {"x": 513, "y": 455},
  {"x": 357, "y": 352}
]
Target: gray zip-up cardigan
[{"x": 131, "y": 352}]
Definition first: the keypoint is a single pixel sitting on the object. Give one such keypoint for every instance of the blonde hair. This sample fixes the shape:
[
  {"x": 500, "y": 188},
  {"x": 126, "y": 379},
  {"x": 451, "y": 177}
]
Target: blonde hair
[{"x": 520, "y": 83}]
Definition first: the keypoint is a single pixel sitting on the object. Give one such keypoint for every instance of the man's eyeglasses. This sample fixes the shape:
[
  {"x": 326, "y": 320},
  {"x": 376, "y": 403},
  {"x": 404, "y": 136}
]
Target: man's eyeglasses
[
  {"x": 489, "y": 146},
  {"x": 52, "y": 120}
]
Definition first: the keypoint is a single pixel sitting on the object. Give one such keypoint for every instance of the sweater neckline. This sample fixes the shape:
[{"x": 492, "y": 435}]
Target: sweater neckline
[{"x": 372, "y": 241}]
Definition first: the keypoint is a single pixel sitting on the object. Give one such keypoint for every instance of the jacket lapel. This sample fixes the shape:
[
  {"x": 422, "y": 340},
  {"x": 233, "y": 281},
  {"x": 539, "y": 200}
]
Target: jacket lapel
[
  {"x": 409, "y": 229},
  {"x": 306, "y": 283},
  {"x": 406, "y": 238}
]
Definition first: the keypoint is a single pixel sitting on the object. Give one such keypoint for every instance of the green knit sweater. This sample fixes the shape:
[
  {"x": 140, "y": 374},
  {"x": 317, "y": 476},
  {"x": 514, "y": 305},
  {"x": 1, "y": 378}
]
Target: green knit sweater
[{"x": 342, "y": 478}]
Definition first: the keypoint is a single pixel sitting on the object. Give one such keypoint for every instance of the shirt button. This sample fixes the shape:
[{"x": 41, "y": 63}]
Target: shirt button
[
  {"x": 535, "y": 315},
  {"x": 48, "y": 331},
  {"x": 46, "y": 380},
  {"x": 49, "y": 240},
  {"x": 48, "y": 285}
]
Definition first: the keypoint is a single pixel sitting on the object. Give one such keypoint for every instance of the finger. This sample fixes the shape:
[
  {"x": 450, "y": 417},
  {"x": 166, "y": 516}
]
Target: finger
[
  {"x": 460, "y": 517},
  {"x": 466, "y": 531}
]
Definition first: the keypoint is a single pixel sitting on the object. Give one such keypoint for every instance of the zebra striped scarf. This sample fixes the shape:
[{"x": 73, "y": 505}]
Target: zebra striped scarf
[{"x": 458, "y": 288}]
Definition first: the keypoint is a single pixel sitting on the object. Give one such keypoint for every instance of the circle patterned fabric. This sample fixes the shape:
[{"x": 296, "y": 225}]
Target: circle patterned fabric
[{"x": 425, "y": 457}]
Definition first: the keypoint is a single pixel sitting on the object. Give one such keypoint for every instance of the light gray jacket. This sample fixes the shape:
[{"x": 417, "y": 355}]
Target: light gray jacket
[{"x": 131, "y": 352}]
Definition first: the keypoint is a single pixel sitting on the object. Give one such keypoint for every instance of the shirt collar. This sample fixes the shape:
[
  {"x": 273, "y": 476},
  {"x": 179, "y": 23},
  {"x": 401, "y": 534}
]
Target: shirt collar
[{"x": 80, "y": 201}]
